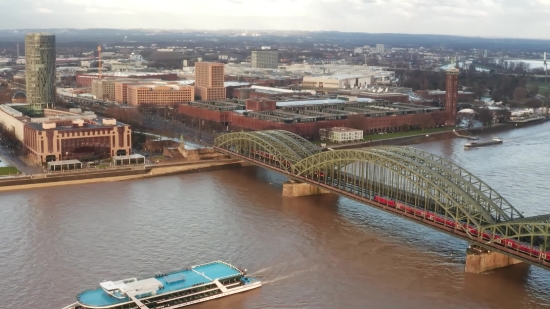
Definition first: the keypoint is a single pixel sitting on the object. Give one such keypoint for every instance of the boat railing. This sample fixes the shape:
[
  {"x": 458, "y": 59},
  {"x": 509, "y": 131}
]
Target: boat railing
[
  {"x": 226, "y": 277},
  {"x": 72, "y": 306}
]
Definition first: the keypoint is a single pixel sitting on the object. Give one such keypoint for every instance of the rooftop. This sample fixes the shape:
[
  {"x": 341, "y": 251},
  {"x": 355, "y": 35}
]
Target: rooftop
[
  {"x": 179, "y": 280},
  {"x": 317, "y": 102}
]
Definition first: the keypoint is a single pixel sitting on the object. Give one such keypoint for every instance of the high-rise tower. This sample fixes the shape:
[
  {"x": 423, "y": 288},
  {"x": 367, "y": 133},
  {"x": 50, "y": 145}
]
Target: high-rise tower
[
  {"x": 40, "y": 70},
  {"x": 209, "y": 81},
  {"x": 451, "y": 95}
]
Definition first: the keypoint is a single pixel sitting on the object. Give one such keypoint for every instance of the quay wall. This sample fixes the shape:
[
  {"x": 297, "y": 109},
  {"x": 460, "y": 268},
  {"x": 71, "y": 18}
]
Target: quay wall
[{"x": 82, "y": 177}]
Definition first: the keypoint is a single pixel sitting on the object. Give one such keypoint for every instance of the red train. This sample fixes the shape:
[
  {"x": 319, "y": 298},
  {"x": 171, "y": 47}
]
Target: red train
[
  {"x": 496, "y": 238},
  {"x": 269, "y": 156}
]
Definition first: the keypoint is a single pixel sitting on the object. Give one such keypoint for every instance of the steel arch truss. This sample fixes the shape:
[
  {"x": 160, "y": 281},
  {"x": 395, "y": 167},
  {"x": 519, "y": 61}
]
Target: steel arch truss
[
  {"x": 279, "y": 147},
  {"x": 372, "y": 171},
  {"x": 532, "y": 230},
  {"x": 405, "y": 174},
  {"x": 480, "y": 192},
  {"x": 499, "y": 205}
]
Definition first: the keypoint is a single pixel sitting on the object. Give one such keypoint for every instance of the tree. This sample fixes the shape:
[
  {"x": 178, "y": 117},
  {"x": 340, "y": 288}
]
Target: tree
[
  {"x": 485, "y": 116},
  {"x": 533, "y": 103},
  {"x": 534, "y": 90},
  {"x": 519, "y": 93}
]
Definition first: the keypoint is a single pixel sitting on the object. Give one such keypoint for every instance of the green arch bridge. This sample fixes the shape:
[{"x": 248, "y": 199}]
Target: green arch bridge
[{"x": 404, "y": 181}]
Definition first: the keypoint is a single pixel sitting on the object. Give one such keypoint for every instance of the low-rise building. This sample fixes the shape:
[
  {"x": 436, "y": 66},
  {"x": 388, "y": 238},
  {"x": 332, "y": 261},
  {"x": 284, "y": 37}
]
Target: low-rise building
[
  {"x": 341, "y": 135},
  {"x": 160, "y": 95},
  {"x": 343, "y": 81},
  {"x": 66, "y": 135}
]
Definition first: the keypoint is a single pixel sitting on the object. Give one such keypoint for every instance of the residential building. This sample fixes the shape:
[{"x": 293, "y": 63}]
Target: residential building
[
  {"x": 209, "y": 81},
  {"x": 265, "y": 58},
  {"x": 341, "y": 135},
  {"x": 380, "y": 48},
  {"x": 104, "y": 89},
  {"x": 40, "y": 70},
  {"x": 159, "y": 95}
]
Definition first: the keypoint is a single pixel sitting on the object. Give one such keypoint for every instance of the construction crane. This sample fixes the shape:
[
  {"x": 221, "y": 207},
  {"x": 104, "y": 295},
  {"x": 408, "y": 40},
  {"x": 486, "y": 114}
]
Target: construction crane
[{"x": 99, "y": 61}]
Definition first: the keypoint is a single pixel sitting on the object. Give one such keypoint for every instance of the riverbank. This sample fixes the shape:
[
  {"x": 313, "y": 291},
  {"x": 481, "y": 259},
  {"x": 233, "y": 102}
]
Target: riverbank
[
  {"x": 131, "y": 173},
  {"x": 402, "y": 140},
  {"x": 425, "y": 137}
]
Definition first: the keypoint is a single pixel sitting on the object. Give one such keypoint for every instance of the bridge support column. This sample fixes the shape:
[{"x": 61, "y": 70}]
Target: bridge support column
[
  {"x": 296, "y": 189},
  {"x": 480, "y": 260}
]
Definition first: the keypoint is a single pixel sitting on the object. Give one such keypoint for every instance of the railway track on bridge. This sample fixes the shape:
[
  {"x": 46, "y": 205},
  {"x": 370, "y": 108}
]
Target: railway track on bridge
[{"x": 436, "y": 192}]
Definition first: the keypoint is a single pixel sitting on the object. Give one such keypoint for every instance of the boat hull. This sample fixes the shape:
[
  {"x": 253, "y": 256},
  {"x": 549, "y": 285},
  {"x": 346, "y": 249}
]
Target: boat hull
[
  {"x": 240, "y": 289},
  {"x": 482, "y": 144}
]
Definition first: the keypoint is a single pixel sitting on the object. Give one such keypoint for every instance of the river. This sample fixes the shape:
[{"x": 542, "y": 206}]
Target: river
[{"x": 312, "y": 252}]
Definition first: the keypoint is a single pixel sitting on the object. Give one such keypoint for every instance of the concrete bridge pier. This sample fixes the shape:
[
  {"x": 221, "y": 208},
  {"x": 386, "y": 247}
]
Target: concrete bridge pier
[
  {"x": 293, "y": 188},
  {"x": 480, "y": 260}
]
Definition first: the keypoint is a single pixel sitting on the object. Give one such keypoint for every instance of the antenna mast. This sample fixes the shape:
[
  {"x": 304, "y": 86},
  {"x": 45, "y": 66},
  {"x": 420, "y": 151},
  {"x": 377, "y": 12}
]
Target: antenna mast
[{"x": 99, "y": 61}]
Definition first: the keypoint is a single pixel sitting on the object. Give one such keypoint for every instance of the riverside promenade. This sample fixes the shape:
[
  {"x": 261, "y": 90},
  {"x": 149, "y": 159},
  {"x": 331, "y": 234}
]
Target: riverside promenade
[{"x": 75, "y": 177}]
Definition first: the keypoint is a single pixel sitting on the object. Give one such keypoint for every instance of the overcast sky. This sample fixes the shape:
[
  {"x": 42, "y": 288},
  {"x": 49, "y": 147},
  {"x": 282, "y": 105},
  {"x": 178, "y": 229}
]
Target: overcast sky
[{"x": 486, "y": 18}]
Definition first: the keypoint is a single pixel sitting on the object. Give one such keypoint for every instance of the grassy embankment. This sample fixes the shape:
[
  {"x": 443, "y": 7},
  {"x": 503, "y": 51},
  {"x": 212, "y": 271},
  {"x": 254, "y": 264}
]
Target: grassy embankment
[
  {"x": 9, "y": 170},
  {"x": 376, "y": 137},
  {"x": 543, "y": 87}
]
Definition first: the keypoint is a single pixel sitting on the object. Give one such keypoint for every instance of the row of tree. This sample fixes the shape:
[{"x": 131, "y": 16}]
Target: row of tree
[{"x": 500, "y": 87}]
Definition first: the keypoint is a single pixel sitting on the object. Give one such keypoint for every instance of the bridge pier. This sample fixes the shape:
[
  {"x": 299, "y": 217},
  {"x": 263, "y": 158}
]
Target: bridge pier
[
  {"x": 295, "y": 189},
  {"x": 480, "y": 260}
]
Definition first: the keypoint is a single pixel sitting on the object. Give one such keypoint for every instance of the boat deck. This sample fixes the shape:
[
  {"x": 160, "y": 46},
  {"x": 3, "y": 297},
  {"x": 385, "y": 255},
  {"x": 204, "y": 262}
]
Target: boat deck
[{"x": 195, "y": 276}]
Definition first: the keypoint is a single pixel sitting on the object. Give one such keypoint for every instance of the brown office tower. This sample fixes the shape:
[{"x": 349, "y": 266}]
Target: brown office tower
[
  {"x": 451, "y": 95},
  {"x": 209, "y": 81}
]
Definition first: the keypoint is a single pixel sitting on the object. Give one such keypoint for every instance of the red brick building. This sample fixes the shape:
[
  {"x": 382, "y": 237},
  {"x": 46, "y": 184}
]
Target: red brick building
[{"x": 85, "y": 80}]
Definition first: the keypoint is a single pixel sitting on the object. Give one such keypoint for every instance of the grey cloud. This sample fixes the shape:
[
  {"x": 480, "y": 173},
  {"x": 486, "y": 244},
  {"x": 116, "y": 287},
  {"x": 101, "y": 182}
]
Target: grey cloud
[{"x": 489, "y": 18}]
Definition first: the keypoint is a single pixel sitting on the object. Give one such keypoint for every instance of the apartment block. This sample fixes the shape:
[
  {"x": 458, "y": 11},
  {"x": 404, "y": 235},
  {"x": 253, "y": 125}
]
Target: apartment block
[
  {"x": 265, "y": 58},
  {"x": 209, "y": 81},
  {"x": 159, "y": 95},
  {"x": 40, "y": 70}
]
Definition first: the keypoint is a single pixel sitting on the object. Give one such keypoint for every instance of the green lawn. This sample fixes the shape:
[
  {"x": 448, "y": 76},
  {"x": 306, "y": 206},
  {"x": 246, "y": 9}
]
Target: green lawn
[
  {"x": 376, "y": 137},
  {"x": 9, "y": 170},
  {"x": 542, "y": 86}
]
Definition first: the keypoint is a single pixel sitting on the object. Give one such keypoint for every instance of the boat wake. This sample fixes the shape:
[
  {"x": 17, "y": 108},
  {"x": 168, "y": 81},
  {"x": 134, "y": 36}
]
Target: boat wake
[
  {"x": 266, "y": 269},
  {"x": 293, "y": 274}
]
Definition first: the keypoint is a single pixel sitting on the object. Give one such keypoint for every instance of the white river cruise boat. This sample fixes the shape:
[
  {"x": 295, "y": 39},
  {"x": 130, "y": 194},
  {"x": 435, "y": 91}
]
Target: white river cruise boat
[{"x": 168, "y": 291}]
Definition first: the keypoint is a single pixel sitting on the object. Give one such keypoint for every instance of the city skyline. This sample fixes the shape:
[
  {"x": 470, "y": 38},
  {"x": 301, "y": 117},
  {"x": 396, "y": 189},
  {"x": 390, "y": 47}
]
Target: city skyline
[{"x": 487, "y": 18}]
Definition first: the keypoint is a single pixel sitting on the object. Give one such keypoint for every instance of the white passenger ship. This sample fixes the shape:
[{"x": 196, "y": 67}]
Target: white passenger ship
[{"x": 168, "y": 291}]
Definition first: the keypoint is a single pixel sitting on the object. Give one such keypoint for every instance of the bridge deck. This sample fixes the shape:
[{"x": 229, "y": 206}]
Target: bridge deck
[{"x": 346, "y": 185}]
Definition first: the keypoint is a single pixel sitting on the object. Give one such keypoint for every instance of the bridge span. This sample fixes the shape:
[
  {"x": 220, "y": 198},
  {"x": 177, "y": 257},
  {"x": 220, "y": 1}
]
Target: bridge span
[{"x": 407, "y": 182}]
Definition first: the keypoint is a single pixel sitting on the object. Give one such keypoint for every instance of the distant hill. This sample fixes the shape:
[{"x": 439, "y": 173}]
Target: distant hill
[{"x": 149, "y": 36}]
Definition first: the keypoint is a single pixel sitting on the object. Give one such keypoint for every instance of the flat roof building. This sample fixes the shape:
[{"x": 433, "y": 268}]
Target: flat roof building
[
  {"x": 66, "y": 135},
  {"x": 341, "y": 135},
  {"x": 339, "y": 81},
  {"x": 265, "y": 59},
  {"x": 209, "y": 81},
  {"x": 159, "y": 95}
]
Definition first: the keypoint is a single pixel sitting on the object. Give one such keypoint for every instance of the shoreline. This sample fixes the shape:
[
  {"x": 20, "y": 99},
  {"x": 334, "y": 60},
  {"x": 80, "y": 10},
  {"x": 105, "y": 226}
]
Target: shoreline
[
  {"x": 42, "y": 181},
  {"x": 430, "y": 137}
]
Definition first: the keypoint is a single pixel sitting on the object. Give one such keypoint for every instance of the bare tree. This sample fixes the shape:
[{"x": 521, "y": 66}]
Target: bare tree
[
  {"x": 533, "y": 103},
  {"x": 519, "y": 93}
]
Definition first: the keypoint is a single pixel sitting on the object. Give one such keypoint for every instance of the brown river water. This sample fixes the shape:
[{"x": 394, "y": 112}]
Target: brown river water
[{"x": 312, "y": 252}]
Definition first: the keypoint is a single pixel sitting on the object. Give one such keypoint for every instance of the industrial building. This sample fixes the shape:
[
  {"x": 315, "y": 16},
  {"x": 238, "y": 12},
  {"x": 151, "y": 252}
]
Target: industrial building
[
  {"x": 209, "y": 81},
  {"x": 159, "y": 95},
  {"x": 265, "y": 58},
  {"x": 344, "y": 81},
  {"x": 306, "y": 115},
  {"x": 40, "y": 70},
  {"x": 66, "y": 135}
]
